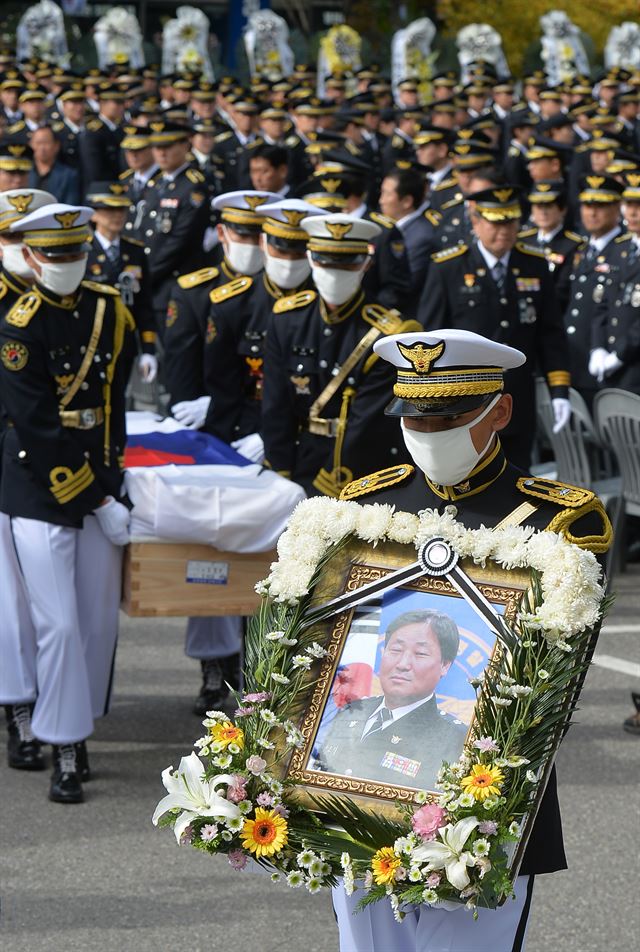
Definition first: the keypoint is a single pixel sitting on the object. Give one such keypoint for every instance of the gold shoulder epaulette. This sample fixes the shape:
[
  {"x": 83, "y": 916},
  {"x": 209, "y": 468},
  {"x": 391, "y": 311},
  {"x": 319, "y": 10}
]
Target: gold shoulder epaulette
[
  {"x": 383, "y": 220},
  {"x": 294, "y": 301},
  {"x": 23, "y": 310},
  {"x": 527, "y": 233},
  {"x": 574, "y": 236},
  {"x": 195, "y": 278},
  {"x": 571, "y": 497},
  {"x": 231, "y": 289},
  {"x": 445, "y": 183},
  {"x": 223, "y": 136},
  {"x": 447, "y": 253},
  {"x": 433, "y": 217},
  {"x": 16, "y": 127},
  {"x": 377, "y": 481},
  {"x": 255, "y": 143},
  {"x": 397, "y": 142},
  {"x": 529, "y": 250},
  {"x": 620, "y": 238},
  {"x": 132, "y": 241},
  {"x": 451, "y": 204},
  {"x": 126, "y": 174},
  {"x": 93, "y": 125},
  {"x": 100, "y": 288},
  {"x": 385, "y": 319},
  {"x": 598, "y": 534},
  {"x": 3, "y": 287},
  {"x": 195, "y": 176}
]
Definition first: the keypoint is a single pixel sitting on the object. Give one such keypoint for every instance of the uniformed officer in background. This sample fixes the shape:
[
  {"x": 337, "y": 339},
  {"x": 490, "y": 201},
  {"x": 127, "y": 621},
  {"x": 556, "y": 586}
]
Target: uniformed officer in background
[
  {"x": 141, "y": 167},
  {"x": 503, "y": 287},
  {"x": 453, "y": 437},
  {"x": 16, "y": 161},
  {"x": 99, "y": 141},
  {"x": 62, "y": 387},
  {"x": 120, "y": 261}
]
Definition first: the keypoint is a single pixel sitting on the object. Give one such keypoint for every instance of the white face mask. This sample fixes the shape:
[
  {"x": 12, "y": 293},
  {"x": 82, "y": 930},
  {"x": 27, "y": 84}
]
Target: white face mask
[
  {"x": 14, "y": 263},
  {"x": 62, "y": 279},
  {"x": 285, "y": 273},
  {"x": 448, "y": 456},
  {"x": 334, "y": 285},
  {"x": 245, "y": 259}
]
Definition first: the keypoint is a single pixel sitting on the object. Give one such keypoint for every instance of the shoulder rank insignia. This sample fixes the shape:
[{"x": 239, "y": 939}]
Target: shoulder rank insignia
[
  {"x": 574, "y": 236},
  {"x": 383, "y": 220},
  {"x": 126, "y": 174},
  {"x": 445, "y": 183},
  {"x": 387, "y": 320},
  {"x": 132, "y": 241},
  {"x": 223, "y": 136},
  {"x": 195, "y": 176},
  {"x": 93, "y": 125},
  {"x": 452, "y": 203},
  {"x": 433, "y": 217},
  {"x": 23, "y": 310},
  {"x": 398, "y": 142},
  {"x": 528, "y": 233},
  {"x": 529, "y": 250},
  {"x": 294, "y": 301},
  {"x": 226, "y": 291},
  {"x": 551, "y": 490},
  {"x": 375, "y": 482},
  {"x": 14, "y": 355},
  {"x": 100, "y": 288},
  {"x": 447, "y": 253},
  {"x": 3, "y": 288},
  {"x": 195, "y": 278},
  {"x": 618, "y": 240}
]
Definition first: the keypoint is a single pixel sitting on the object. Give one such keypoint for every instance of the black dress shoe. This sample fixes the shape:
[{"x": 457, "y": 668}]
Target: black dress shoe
[
  {"x": 65, "y": 781},
  {"x": 213, "y": 692},
  {"x": 24, "y": 751},
  {"x": 82, "y": 761}
]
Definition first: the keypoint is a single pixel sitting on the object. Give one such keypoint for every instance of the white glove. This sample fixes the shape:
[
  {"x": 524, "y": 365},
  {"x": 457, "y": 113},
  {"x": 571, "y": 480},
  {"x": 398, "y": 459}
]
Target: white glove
[
  {"x": 192, "y": 413},
  {"x": 114, "y": 519},
  {"x": 597, "y": 362},
  {"x": 250, "y": 446},
  {"x": 561, "y": 413},
  {"x": 611, "y": 364},
  {"x": 148, "y": 367}
]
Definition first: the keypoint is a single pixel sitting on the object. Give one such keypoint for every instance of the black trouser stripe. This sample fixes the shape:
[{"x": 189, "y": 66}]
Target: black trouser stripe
[{"x": 518, "y": 942}]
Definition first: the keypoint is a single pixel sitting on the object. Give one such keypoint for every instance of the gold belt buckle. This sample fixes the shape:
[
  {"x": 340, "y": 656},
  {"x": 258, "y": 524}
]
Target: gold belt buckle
[{"x": 321, "y": 427}]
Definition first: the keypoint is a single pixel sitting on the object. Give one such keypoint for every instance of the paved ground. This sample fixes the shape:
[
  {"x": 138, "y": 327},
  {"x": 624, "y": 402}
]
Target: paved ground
[{"x": 99, "y": 877}]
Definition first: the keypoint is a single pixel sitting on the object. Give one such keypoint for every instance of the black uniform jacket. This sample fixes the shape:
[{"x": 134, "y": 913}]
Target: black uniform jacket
[
  {"x": 11, "y": 288},
  {"x": 407, "y": 753},
  {"x": 305, "y": 348},
  {"x": 616, "y": 324},
  {"x": 99, "y": 152},
  {"x": 62, "y": 387},
  {"x": 559, "y": 252},
  {"x": 492, "y": 491},
  {"x": 460, "y": 292},
  {"x": 388, "y": 280}
]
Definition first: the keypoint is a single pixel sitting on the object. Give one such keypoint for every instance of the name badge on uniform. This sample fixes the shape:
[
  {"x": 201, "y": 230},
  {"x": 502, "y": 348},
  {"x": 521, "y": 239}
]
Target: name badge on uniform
[
  {"x": 403, "y": 765},
  {"x": 527, "y": 284}
]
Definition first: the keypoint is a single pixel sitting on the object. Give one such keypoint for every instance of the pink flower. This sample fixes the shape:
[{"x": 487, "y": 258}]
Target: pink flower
[
  {"x": 208, "y": 832},
  {"x": 244, "y": 711},
  {"x": 237, "y": 859},
  {"x": 187, "y": 836},
  {"x": 264, "y": 799},
  {"x": 281, "y": 810},
  {"x": 433, "y": 880},
  {"x": 427, "y": 820},
  {"x": 488, "y": 828},
  {"x": 256, "y": 698},
  {"x": 237, "y": 789},
  {"x": 255, "y": 764},
  {"x": 486, "y": 745}
]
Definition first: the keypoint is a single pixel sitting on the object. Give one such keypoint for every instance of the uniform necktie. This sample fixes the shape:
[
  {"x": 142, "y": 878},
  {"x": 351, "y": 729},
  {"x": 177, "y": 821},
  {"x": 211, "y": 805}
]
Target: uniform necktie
[
  {"x": 591, "y": 254},
  {"x": 113, "y": 253},
  {"x": 384, "y": 716},
  {"x": 499, "y": 273}
]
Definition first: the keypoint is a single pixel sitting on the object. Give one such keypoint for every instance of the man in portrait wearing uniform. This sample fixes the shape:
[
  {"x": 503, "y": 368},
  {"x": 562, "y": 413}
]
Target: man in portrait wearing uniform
[
  {"x": 120, "y": 261},
  {"x": 99, "y": 141},
  {"x": 400, "y": 737},
  {"x": 322, "y": 411},
  {"x": 503, "y": 288},
  {"x": 453, "y": 439},
  {"x": 62, "y": 389},
  {"x": 595, "y": 269}
]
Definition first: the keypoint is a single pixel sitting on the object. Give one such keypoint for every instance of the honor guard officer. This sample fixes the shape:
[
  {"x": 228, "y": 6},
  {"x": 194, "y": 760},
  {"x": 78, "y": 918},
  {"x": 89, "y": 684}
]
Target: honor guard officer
[
  {"x": 99, "y": 141},
  {"x": 141, "y": 167},
  {"x": 400, "y": 147},
  {"x": 596, "y": 268},
  {"x": 452, "y": 434},
  {"x": 323, "y": 388},
  {"x": 176, "y": 214},
  {"x": 62, "y": 387},
  {"x": 16, "y": 161},
  {"x": 615, "y": 354},
  {"x": 121, "y": 262},
  {"x": 72, "y": 103},
  {"x": 16, "y": 671},
  {"x": 503, "y": 287},
  {"x": 230, "y": 146}
]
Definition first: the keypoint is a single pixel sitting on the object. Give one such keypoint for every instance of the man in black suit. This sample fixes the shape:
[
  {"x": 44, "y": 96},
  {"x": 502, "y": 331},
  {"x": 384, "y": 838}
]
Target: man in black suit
[
  {"x": 99, "y": 141},
  {"x": 401, "y": 737}
]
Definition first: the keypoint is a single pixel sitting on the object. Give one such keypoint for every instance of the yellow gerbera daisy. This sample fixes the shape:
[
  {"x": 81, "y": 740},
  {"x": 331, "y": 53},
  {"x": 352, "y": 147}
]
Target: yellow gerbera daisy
[
  {"x": 227, "y": 733},
  {"x": 265, "y": 835},
  {"x": 483, "y": 781},
  {"x": 384, "y": 865}
]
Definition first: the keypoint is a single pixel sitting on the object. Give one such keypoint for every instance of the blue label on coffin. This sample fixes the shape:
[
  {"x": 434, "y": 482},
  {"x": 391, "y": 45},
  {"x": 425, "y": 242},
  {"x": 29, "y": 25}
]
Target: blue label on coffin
[{"x": 207, "y": 573}]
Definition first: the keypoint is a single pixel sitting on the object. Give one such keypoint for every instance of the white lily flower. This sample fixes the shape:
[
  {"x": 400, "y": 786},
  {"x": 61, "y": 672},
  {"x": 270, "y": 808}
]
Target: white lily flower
[
  {"x": 449, "y": 853},
  {"x": 187, "y": 790}
]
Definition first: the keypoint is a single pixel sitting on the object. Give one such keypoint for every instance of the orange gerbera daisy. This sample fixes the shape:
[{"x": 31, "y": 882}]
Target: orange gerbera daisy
[
  {"x": 227, "y": 733},
  {"x": 483, "y": 781},
  {"x": 384, "y": 865},
  {"x": 265, "y": 835}
]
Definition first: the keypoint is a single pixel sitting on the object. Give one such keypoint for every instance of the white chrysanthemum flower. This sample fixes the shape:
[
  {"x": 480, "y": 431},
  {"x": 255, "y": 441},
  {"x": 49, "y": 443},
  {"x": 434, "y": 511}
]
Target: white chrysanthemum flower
[
  {"x": 374, "y": 521},
  {"x": 268, "y": 716},
  {"x": 314, "y": 885},
  {"x": 302, "y": 661},
  {"x": 295, "y": 879},
  {"x": 275, "y": 786},
  {"x": 305, "y": 858},
  {"x": 516, "y": 761},
  {"x": 481, "y": 847},
  {"x": 501, "y": 701},
  {"x": 421, "y": 796},
  {"x": 514, "y": 829},
  {"x": 315, "y": 867},
  {"x": 466, "y": 800},
  {"x": 280, "y": 678},
  {"x": 233, "y": 749},
  {"x": 520, "y": 690},
  {"x": 275, "y": 877},
  {"x": 265, "y": 744},
  {"x": 235, "y": 824},
  {"x": 345, "y": 860},
  {"x": 403, "y": 527},
  {"x": 274, "y": 635},
  {"x": 430, "y": 896},
  {"x": 414, "y": 874},
  {"x": 227, "y": 836},
  {"x": 245, "y": 807},
  {"x": 315, "y": 650},
  {"x": 222, "y": 760},
  {"x": 401, "y": 845},
  {"x": 543, "y": 675},
  {"x": 531, "y": 777}
]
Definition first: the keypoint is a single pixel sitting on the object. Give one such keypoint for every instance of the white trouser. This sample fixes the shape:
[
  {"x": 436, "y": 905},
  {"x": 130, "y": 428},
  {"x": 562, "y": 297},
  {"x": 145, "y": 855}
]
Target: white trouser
[
  {"x": 72, "y": 578},
  {"x": 17, "y": 637},
  {"x": 213, "y": 637},
  {"x": 428, "y": 929}
]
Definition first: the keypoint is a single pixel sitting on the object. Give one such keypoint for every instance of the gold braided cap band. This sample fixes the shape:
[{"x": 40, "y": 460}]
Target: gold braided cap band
[
  {"x": 241, "y": 216},
  {"x": 50, "y": 237},
  {"x": 448, "y": 383},
  {"x": 8, "y": 164},
  {"x": 279, "y": 229},
  {"x": 339, "y": 247},
  {"x": 499, "y": 213}
]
